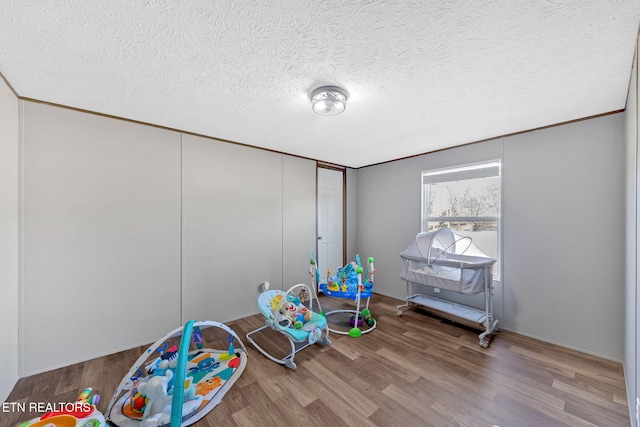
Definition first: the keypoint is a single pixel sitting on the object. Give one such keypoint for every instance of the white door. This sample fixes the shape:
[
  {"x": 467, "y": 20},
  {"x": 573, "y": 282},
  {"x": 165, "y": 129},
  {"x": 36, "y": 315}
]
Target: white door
[{"x": 330, "y": 220}]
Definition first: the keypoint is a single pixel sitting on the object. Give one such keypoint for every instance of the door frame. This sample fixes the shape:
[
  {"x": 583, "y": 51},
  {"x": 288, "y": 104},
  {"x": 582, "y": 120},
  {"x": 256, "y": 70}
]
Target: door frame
[{"x": 343, "y": 169}]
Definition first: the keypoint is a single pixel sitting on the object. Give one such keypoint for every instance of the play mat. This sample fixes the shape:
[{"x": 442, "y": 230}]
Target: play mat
[{"x": 178, "y": 386}]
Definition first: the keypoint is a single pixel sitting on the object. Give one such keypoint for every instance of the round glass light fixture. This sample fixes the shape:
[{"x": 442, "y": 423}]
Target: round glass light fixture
[{"x": 329, "y": 100}]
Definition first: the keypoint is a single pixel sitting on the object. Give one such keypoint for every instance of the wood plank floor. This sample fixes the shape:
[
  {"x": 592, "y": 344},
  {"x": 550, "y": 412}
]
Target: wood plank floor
[{"x": 414, "y": 370}]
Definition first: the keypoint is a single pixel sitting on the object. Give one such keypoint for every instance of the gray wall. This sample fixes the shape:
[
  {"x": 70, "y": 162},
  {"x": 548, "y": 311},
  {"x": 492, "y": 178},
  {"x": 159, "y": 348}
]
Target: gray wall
[
  {"x": 101, "y": 235},
  {"x": 248, "y": 217},
  {"x": 129, "y": 230},
  {"x": 632, "y": 297},
  {"x": 8, "y": 239},
  {"x": 298, "y": 219},
  {"x": 562, "y": 240},
  {"x": 564, "y": 235}
]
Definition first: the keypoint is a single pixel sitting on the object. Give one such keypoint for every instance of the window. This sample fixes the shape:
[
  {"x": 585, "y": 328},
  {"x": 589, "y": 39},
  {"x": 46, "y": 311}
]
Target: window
[{"x": 467, "y": 200}]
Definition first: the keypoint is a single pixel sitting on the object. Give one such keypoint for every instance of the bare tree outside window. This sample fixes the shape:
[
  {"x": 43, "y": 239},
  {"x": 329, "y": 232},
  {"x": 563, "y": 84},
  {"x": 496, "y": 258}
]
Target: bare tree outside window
[{"x": 467, "y": 200}]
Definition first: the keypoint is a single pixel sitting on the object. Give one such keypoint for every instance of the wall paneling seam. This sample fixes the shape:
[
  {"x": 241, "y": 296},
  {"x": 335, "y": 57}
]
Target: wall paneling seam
[
  {"x": 181, "y": 230},
  {"x": 20, "y": 248},
  {"x": 632, "y": 404}
]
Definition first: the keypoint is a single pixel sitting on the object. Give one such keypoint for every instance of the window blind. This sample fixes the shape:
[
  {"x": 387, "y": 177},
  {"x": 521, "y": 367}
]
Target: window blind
[{"x": 476, "y": 170}]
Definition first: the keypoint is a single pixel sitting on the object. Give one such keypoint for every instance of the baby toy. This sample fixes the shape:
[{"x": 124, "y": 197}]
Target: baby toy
[
  {"x": 303, "y": 295},
  {"x": 293, "y": 313},
  {"x": 81, "y": 413},
  {"x": 137, "y": 401},
  {"x": 353, "y": 283},
  {"x": 159, "y": 398},
  {"x": 368, "y": 317},
  {"x": 156, "y": 391}
]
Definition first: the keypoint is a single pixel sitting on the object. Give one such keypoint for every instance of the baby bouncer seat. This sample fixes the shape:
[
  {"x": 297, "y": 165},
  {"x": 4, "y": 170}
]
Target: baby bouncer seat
[{"x": 292, "y": 314}]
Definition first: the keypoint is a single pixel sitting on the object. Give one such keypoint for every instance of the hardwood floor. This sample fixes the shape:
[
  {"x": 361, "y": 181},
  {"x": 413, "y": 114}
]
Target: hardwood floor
[{"x": 414, "y": 370}]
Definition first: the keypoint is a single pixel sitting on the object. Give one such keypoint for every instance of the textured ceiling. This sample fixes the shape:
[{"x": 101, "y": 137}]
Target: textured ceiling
[{"x": 422, "y": 74}]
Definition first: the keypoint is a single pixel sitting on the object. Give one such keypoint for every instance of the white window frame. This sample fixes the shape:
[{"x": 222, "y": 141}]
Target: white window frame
[{"x": 456, "y": 173}]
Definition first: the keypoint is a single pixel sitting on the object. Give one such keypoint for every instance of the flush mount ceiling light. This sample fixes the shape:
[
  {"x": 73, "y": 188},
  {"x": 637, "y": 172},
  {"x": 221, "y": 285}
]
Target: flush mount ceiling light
[{"x": 329, "y": 100}]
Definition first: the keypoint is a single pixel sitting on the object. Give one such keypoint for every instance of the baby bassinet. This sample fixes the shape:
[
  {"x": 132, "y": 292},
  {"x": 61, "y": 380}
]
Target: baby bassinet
[{"x": 445, "y": 260}]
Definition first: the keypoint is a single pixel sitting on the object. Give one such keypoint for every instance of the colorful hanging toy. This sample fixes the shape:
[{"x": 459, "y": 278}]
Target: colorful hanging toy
[{"x": 197, "y": 337}]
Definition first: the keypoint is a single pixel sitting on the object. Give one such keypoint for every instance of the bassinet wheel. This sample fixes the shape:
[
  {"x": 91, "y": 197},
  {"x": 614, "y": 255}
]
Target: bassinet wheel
[
  {"x": 399, "y": 313},
  {"x": 484, "y": 344},
  {"x": 290, "y": 364}
]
